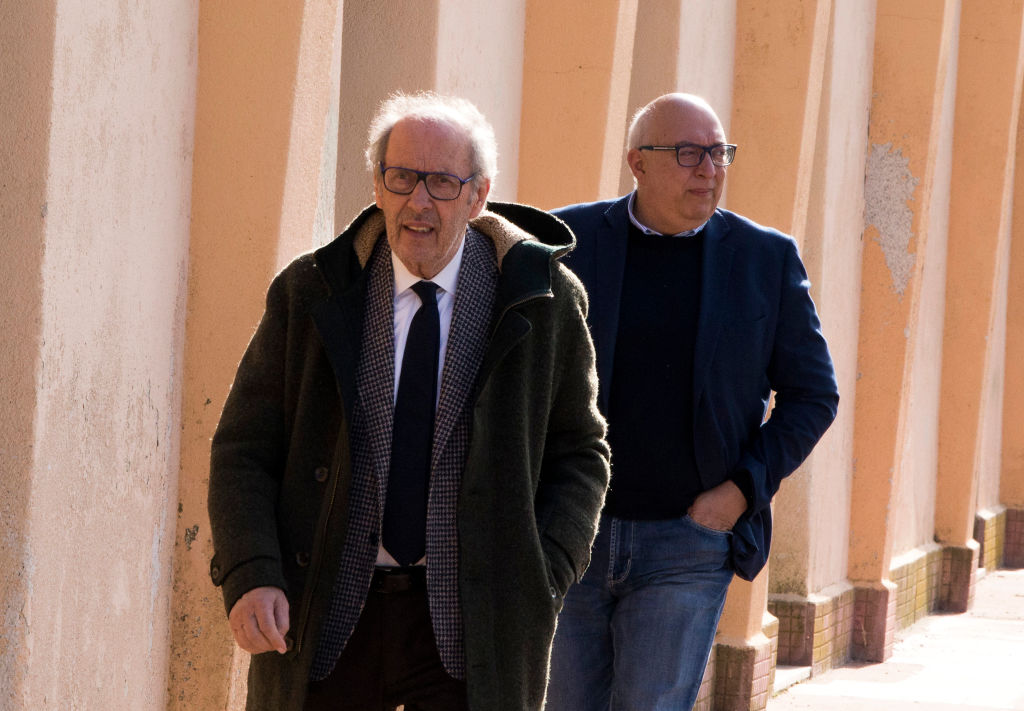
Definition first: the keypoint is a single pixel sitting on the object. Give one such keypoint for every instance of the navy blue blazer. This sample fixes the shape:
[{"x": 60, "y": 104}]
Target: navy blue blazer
[{"x": 757, "y": 331}]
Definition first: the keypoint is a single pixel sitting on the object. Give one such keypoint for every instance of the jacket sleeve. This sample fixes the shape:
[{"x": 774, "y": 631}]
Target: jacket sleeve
[
  {"x": 247, "y": 459},
  {"x": 575, "y": 469},
  {"x": 801, "y": 373}
]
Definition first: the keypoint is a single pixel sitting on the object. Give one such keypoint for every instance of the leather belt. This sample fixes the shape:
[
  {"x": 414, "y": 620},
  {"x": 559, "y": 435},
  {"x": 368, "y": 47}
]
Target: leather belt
[{"x": 395, "y": 580}]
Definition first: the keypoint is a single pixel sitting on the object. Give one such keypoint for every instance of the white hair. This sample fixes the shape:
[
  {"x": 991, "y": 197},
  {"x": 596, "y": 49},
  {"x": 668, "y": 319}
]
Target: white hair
[{"x": 431, "y": 106}]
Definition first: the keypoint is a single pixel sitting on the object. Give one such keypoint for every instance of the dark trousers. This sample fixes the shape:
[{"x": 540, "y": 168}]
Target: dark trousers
[{"x": 391, "y": 658}]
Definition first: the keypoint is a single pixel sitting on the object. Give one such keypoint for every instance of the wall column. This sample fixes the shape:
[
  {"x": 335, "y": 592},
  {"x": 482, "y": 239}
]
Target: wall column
[
  {"x": 777, "y": 126},
  {"x": 576, "y": 64},
  {"x": 912, "y": 57},
  {"x": 262, "y": 193},
  {"x": 1011, "y": 489},
  {"x": 26, "y": 53},
  {"x": 981, "y": 198}
]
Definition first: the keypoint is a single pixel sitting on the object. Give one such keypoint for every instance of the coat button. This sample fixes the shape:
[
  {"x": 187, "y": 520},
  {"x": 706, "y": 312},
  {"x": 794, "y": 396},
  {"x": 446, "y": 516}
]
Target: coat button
[
  {"x": 320, "y": 474},
  {"x": 215, "y": 572},
  {"x": 552, "y": 591},
  {"x": 302, "y": 558}
]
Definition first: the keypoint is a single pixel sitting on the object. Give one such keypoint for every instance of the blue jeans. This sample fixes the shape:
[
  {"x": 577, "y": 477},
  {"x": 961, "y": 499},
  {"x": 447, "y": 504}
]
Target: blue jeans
[{"x": 635, "y": 634}]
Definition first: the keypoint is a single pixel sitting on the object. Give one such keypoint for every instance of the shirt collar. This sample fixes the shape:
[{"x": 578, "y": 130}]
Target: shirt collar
[
  {"x": 447, "y": 278},
  {"x": 648, "y": 231}
]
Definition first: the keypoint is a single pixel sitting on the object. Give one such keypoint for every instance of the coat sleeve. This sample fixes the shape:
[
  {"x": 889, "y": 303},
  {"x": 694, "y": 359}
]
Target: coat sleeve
[
  {"x": 801, "y": 373},
  {"x": 247, "y": 459},
  {"x": 575, "y": 468}
]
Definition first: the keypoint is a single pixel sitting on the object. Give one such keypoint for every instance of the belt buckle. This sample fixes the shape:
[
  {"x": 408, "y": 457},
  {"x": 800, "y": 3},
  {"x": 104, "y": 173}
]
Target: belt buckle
[{"x": 394, "y": 580}]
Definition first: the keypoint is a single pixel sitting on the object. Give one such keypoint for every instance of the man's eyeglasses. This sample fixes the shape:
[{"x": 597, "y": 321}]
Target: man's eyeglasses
[
  {"x": 440, "y": 186},
  {"x": 690, "y": 155}
]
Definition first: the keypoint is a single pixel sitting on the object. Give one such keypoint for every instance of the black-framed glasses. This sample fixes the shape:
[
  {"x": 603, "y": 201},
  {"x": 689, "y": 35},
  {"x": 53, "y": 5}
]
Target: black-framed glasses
[
  {"x": 690, "y": 155},
  {"x": 440, "y": 186}
]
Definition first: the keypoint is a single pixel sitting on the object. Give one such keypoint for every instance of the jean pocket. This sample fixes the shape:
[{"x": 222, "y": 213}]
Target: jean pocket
[{"x": 704, "y": 529}]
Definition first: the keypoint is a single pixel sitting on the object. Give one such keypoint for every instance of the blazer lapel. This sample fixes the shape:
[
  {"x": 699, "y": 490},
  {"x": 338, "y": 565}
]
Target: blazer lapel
[
  {"x": 717, "y": 264},
  {"x": 467, "y": 338},
  {"x": 377, "y": 364},
  {"x": 609, "y": 271}
]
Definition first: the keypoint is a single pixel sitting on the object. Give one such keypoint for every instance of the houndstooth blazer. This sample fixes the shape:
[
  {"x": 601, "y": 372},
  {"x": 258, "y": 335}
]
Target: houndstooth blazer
[{"x": 371, "y": 450}]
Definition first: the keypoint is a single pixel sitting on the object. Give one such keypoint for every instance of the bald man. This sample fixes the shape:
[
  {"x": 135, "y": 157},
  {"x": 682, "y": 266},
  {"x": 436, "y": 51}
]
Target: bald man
[{"x": 697, "y": 315}]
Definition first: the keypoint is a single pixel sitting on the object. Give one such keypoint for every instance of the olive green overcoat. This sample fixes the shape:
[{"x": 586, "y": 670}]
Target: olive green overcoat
[{"x": 531, "y": 491}]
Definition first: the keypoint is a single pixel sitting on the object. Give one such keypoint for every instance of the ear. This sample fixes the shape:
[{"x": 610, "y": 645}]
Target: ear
[
  {"x": 635, "y": 160},
  {"x": 378, "y": 188},
  {"x": 479, "y": 197}
]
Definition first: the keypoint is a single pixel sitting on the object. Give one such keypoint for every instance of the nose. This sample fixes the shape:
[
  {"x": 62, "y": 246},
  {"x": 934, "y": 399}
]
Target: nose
[
  {"x": 706, "y": 166},
  {"x": 419, "y": 196}
]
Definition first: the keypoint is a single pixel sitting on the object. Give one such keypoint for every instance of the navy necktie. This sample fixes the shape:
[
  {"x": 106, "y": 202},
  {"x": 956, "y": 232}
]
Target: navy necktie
[{"x": 405, "y": 511}]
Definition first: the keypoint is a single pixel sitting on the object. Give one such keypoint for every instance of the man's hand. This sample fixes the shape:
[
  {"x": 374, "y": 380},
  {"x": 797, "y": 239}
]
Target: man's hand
[
  {"x": 720, "y": 507},
  {"x": 259, "y": 620}
]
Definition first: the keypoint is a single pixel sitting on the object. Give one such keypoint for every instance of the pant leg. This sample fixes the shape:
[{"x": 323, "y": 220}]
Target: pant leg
[
  {"x": 581, "y": 657},
  {"x": 391, "y": 659},
  {"x": 669, "y": 606}
]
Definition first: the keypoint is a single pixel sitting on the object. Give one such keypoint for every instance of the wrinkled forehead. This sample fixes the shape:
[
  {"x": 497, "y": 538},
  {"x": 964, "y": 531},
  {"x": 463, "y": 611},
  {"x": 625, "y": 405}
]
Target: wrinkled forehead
[{"x": 428, "y": 144}]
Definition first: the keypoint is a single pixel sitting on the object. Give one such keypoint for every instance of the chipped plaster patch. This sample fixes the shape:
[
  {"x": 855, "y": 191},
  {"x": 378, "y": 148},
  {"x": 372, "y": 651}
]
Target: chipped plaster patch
[{"x": 888, "y": 191}]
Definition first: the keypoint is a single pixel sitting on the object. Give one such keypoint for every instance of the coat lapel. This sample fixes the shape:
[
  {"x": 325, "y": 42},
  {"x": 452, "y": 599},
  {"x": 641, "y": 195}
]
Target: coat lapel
[{"x": 717, "y": 264}]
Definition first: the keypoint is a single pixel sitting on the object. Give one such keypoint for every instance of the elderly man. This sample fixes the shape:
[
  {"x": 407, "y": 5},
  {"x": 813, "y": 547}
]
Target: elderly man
[
  {"x": 697, "y": 315},
  {"x": 409, "y": 468}
]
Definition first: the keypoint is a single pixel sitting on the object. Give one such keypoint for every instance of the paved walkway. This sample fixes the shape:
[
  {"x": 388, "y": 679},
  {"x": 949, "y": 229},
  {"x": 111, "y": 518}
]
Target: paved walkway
[{"x": 969, "y": 662}]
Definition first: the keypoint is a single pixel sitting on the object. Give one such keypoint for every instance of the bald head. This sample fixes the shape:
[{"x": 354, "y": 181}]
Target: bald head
[
  {"x": 669, "y": 107},
  {"x": 670, "y": 197}
]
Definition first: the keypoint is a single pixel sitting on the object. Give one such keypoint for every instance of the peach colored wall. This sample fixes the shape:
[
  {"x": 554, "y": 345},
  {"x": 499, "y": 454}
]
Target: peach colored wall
[
  {"x": 576, "y": 65},
  {"x": 109, "y": 189},
  {"x": 782, "y": 132},
  {"x": 1011, "y": 489},
  {"x": 912, "y": 49},
  {"x": 987, "y": 106},
  {"x": 264, "y": 122},
  {"x": 26, "y": 56},
  {"x": 818, "y": 496},
  {"x": 914, "y": 495}
]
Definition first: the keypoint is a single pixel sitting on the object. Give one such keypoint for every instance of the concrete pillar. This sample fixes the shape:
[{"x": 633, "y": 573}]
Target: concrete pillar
[
  {"x": 775, "y": 122},
  {"x": 745, "y": 648},
  {"x": 913, "y": 42},
  {"x": 576, "y": 65},
  {"x": 779, "y": 89},
  {"x": 98, "y": 104},
  {"x": 1011, "y": 485},
  {"x": 26, "y": 53},
  {"x": 812, "y": 508},
  {"x": 262, "y": 193},
  {"x": 980, "y": 214}
]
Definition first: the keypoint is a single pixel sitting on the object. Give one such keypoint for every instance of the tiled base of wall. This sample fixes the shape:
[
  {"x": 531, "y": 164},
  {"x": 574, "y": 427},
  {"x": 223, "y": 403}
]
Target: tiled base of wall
[
  {"x": 844, "y": 623},
  {"x": 874, "y": 622},
  {"x": 990, "y": 533},
  {"x": 956, "y": 586},
  {"x": 743, "y": 676},
  {"x": 815, "y": 631},
  {"x": 1013, "y": 546},
  {"x": 706, "y": 695},
  {"x": 917, "y": 579}
]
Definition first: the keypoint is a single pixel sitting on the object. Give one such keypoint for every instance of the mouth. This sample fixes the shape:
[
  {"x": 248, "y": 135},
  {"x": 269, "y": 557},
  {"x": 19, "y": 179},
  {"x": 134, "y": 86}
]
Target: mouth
[{"x": 418, "y": 228}]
